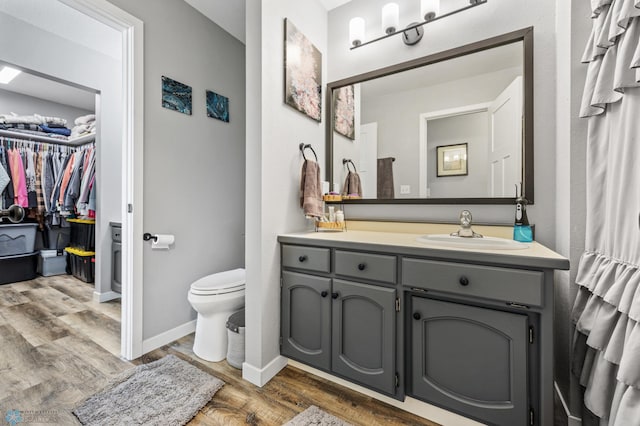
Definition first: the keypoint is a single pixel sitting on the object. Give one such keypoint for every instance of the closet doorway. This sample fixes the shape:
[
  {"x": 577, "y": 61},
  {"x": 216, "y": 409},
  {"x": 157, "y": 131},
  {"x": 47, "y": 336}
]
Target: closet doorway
[{"x": 130, "y": 98}]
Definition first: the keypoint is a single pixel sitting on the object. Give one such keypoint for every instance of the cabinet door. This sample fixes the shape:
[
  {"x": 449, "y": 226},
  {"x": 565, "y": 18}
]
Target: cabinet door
[
  {"x": 469, "y": 359},
  {"x": 364, "y": 334},
  {"x": 305, "y": 318}
]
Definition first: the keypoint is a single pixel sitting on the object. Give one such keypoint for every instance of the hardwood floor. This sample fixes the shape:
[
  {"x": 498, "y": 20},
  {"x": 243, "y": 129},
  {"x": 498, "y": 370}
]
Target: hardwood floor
[
  {"x": 49, "y": 358},
  {"x": 58, "y": 347}
]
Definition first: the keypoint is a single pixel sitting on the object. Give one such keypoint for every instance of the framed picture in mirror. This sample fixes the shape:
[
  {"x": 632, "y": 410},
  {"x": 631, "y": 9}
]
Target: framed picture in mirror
[
  {"x": 452, "y": 160},
  {"x": 344, "y": 107}
]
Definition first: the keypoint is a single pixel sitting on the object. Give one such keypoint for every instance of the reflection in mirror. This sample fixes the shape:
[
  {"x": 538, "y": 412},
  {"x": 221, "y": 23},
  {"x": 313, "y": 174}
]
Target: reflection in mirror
[{"x": 423, "y": 112}]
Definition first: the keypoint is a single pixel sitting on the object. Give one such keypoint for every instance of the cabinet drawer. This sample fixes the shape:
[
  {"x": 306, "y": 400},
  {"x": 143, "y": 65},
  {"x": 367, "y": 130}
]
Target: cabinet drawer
[
  {"x": 307, "y": 258},
  {"x": 366, "y": 266},
  {"x": 509, "y": 285}
]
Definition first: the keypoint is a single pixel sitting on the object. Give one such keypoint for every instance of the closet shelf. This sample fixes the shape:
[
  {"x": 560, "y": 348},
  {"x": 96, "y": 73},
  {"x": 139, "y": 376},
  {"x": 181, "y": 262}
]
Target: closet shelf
[{"x": 27, "y": 136}]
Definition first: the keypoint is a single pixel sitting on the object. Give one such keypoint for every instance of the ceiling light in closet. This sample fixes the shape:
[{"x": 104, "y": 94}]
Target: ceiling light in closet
[{"x": 7, "y": 74}]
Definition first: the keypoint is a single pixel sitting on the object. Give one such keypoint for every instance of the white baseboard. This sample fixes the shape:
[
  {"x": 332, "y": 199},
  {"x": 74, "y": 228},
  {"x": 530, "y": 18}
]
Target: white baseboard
[
  {"x": 168, "y": 336},
  {"x": 260, "y": 376},
  {"x": 411, "y": 405},
  {"x": 571, "y": 420},
  {"x": 106, "y": 296}
]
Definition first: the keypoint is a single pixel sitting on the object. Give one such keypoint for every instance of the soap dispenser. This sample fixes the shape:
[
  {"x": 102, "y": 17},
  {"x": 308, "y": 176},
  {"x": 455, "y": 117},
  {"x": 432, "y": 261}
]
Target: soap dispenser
[{"x": 521, "y": 229}]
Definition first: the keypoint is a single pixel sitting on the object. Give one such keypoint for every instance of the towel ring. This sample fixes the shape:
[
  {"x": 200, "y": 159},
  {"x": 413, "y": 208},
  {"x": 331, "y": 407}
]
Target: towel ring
[
  {"x": 348, "y": 161},
  {"x": 302, "y": 147}
]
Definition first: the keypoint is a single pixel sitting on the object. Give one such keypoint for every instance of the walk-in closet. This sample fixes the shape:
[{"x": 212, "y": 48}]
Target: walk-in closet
[{"x": 48, "y": 191}]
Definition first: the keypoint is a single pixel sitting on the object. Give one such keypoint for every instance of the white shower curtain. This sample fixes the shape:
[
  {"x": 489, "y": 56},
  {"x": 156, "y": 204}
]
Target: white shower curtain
[{"x": 606, "y": 313}]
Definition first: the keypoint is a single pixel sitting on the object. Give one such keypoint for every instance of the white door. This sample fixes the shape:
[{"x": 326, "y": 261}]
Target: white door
[
  {"x": 505, "y": 141},
  {"x": 368, "y": 145}
]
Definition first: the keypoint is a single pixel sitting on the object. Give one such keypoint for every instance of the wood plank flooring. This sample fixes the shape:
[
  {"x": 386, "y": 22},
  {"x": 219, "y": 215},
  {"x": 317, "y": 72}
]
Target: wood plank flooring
[{"x": 57, "y": 347}]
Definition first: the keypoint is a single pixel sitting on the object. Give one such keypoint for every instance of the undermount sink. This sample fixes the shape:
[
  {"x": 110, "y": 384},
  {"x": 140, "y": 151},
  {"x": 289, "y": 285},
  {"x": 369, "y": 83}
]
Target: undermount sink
[{"x": 484, "y": 243}]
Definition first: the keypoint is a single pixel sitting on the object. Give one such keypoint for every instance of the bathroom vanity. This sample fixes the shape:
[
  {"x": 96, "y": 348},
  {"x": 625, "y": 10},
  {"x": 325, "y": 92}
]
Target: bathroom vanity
[{"x": 468, "y": 330}]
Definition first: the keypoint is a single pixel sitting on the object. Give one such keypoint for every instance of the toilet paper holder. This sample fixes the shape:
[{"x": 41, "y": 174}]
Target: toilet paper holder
[{"x": 147, "y": 237}]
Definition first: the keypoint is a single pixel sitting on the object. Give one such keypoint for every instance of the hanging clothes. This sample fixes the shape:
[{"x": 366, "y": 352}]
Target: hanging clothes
[
  {"x": 48, "y": 179},
  {"x": 18, "y": 177},
  {"x": 606, "y": 312},
  {"x": 7, "y": 195}
]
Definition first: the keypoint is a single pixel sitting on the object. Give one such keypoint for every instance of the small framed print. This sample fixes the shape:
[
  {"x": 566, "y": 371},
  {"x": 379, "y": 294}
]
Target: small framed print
[
  {"x": 217, "y": 106},
  {"x": 452, "y": 160},
  {"x": 176, "y": 95}
]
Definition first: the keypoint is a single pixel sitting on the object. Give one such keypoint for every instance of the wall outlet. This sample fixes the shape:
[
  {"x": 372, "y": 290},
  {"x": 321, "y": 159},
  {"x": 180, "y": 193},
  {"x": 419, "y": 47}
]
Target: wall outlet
[{"x": 405, "y": 189}]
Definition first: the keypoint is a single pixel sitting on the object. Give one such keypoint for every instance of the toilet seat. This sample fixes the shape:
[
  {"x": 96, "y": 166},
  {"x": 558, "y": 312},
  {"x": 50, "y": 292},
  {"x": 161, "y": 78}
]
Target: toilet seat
[{"x": 220, "y": 283}]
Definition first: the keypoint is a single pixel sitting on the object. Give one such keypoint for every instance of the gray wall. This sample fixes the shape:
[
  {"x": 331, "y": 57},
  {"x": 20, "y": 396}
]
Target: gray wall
[
  {"x": 573, "y": 32},
  {"x": 274, "y": 131},
  {"x": 194, "y": 182},
  {"x": 27, "y": 105},
  {"x": 472, "y": 129},
  {"x": 491, "y": 19}
]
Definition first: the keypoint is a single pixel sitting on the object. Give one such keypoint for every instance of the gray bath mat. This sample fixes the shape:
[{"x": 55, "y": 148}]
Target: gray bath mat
[
  {"x": 313, "y": 416},
  {"x": 168, "y": 391}
]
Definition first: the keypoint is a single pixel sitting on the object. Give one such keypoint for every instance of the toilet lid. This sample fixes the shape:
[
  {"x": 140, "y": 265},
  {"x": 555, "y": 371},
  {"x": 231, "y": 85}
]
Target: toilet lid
[{"x": 220, "y": 283}]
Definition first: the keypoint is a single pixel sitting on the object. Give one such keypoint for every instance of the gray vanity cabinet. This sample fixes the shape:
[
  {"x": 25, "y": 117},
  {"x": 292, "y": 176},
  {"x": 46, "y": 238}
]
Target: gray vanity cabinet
[
  {"x": 306, "y": 319},
  {"x": 363, "y": 334},
  {"x": 470, "y": 359},
  {"x": 469, "y": 331},
  {"x": 346, "y": 327}
]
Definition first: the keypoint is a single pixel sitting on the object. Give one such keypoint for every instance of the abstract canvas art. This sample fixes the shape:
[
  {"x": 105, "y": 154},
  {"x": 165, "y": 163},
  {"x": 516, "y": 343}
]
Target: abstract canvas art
[
  {"x": 344, "y": 108},
  {"x": 217, "y": 106},
  {"x": 176, "y": 96},
  {"x": 302, "y": 73}
]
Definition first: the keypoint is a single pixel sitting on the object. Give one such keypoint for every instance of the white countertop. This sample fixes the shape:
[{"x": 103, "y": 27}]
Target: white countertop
[{"x": 535, "y": 255}]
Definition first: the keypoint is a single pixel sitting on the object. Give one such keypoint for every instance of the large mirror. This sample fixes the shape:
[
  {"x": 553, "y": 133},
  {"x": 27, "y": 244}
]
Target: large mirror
[{"x": 450, "y": 128}]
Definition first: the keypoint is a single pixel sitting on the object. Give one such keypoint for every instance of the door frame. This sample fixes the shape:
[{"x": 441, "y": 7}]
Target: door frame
[
  {"x": 131, "y": 29},
  {"x": 422, "y": 148}
]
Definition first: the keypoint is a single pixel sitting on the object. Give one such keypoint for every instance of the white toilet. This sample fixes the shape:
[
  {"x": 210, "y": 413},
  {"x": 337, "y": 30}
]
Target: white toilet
[{"x": 215, "y": 297}]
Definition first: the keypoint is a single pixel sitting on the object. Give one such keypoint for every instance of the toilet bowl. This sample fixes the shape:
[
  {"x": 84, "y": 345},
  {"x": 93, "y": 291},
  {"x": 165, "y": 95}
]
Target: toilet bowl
[{"x": 215, "y": 297}]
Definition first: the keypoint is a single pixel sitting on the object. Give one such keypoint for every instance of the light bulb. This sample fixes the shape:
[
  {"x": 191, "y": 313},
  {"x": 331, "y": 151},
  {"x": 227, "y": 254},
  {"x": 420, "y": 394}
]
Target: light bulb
[
  {"x": 429, "y": 9},
  {"x": 390, "y": 17},
  {"x": 356, "y": 31}
]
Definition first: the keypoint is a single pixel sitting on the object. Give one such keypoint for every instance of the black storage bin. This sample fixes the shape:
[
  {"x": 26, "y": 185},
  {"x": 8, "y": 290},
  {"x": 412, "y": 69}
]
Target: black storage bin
[
  {"x": 58, "y": 237},
  {"x": 82, "y": 234},
  {"x": 20, "y": 267},
  {"x": 82, "y": 264}
]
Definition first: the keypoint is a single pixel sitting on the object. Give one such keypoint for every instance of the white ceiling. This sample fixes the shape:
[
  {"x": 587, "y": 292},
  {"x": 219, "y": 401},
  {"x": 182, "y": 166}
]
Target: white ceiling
[
  {"x": 228, "y": 14},
  {"x": 332, "y": 4},
  {"x": 58, "y": 18},
  {"x": 50, "y": 90}
]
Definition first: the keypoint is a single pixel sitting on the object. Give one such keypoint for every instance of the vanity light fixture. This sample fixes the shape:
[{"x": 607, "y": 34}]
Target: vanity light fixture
[
  {"x": 390, "y": 17},
  {"x": 412, "y": 34}
]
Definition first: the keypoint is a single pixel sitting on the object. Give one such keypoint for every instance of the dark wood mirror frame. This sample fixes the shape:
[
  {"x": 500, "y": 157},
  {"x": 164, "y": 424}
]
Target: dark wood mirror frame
[{"x": 526, "y": 36}]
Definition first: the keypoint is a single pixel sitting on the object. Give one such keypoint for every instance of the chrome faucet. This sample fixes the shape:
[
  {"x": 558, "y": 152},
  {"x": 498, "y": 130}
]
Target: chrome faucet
[{"x": 465, "y": 230}]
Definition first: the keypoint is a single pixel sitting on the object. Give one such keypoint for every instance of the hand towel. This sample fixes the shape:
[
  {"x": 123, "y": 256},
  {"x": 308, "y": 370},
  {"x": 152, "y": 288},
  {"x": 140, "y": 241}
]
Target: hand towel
[
  {"x": 385, "y": 178},
  {"x": 352, "y": 185},
  {"x": 311, "y": 189}
]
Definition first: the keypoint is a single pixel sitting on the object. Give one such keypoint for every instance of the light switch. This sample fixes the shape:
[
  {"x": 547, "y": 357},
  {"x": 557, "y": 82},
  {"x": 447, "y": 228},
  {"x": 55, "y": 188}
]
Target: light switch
[{"x": 405, "y": 189}]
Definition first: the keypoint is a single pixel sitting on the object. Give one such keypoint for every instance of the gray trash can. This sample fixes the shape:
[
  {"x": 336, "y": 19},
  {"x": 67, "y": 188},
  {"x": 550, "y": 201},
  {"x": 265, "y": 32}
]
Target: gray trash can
[{"x": 235, "y": 334}]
